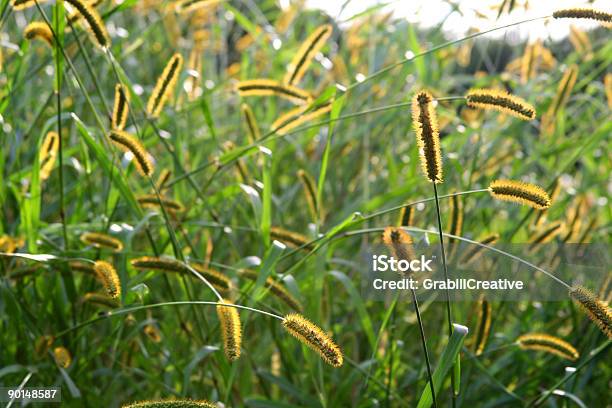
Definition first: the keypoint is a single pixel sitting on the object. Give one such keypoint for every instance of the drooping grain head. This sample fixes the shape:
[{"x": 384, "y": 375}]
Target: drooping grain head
[
  {"x": 40, "y": 31},
  {"x": 180, "y": 403},
  {"x": 502, "y": 102},
  {"x": 587, "y": 13},
  {"x": 94, "y": 22},
  {"x": 520, "y": 192},
  {"x": 129, "y": 143},
  {"x": 268, "y": 87},
  {"x": 549, "y": 344},
  {"x": 313, "y": 337},
  {"x": 302, "y": 59},
  {"x": 120, "y": 107},
  {"x": 99, "y": 240},
  {"x": 598, "y": 311}
]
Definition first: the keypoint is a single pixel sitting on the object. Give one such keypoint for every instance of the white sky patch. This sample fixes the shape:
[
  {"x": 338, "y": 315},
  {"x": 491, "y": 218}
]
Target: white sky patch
[{"x": 479, "y": 14}]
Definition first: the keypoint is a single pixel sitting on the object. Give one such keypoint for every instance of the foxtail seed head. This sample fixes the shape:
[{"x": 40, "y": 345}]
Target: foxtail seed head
[
  {"x": 251, "y": 122},
  {"x": 276, "y": 288},
  {"x": 109, "y": 278},
  {"x": 231, "y": 330},
  {"x": 129, "y": 143},
  {"x": 94, "y": 22},
  {"x": 399, "y": 242},
  {"x": 183, "y": 403},
  {"x": 549, "y": 344},
  {"x": 301, "y": 61},
  {"x": 152, "y": 201},
  {"x": 425, "y": 124},
  {"x": 484, "y": 326},
  {"x": 24, "y": 4},
  {"x": 312, "y": 336},
  {"x": 120, "y": 108},
  {"x": 598, "y": 311},
  {"x": 99, "y": 240},
  {"x": 298, "y": 116},
  {"x": 99, "y": 299},
  {"x": 165, "y": 85},
  {"x": 48, "y": 154},
  {"x": 588, "y": 13},
  {"x": 40, "y": 31},
  {"x": 292, "y": 239},
  {"x": 502, "y": 102},
  {"x": 267, "y": 87},
  {"x": 520, "y": 192}
]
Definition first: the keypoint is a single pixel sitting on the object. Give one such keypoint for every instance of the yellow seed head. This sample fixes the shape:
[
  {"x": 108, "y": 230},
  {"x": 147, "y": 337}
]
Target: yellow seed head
[
  {"x": 165, "y": 85},
  {"x": 292, "y": 239},
  {"x": 298, "y": 116},
  {"x": 24, "y": 4},
  {"x": 48, "y": 154},
  {"x": 94, "y": 22},
  {"x": 40, "y": 31},
  {"x": 121, "y": 107},
  {"x": 502, "y": 102},
  {"x": 99, "y": 240},
  {"x": 107, "y": 274},
  {"x": 276, "y": 288},
  {"x": 519, "y": 192},
  {"x": 312, "y": 336},
  {"x": 152, "y": 201},
  {"x": 425, "y": 124},
  {"x": 301, "y": 61},
  {"x": 99, "y": 299},
  {"x": 598, "y": 311},
  {"x": 230, "y": 329},
  {"x": 129, "y": 143},
  {"x": 549, "y": 344},
  {"x": 406, "y": 215},
  {"x": 62, "y": 357},
  {"x": 399, "y": 243},
  {"x": 268, "y": 87}
]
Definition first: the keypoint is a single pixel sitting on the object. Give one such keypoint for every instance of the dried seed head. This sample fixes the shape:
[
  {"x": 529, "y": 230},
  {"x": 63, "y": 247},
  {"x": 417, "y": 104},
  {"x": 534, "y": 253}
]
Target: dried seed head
[
  {"x": 165, "y": 85},
  {"x": 312, "y": 336},
  {"x": 292, "y": 239},
  {"x": 129, "y": 143},
  {"x": 598, "y": 311},
  {"x": 500, "y": 101},
  {"x": 163, "y": 178},
  {"x": 48, "y": 154},
  {"x": 183, "y": 403},
  {"x": 40, "y": 31},
  {"x": 99, "y": 240},
  {"x": 152, "y": 201},
  {"x": 62, "y": 357},
  {"x": 276, "y": 288},
  {"x": 94, "y": 22},
  {"x": 231, "y": 330},
  {"x": 267, "y": 87},
  {"x": 549, "y": 344},
  {"x": 399, "y": 242},
  {"x": 484, "y": 326},
  {"x": 251, "y": 122},
  {"x": 425, "y": 124},
  {"x": 584, "y": 13},
  {"x": 99, "y": 299},
  {"x": 107, "y": 274},
  {"x": 310, "y": 191},
  {"x": 43, "y": 344},
  {"x": 519, "y": 192},
  {"x": 152, "y": 332},
  {"x": 120, "y": 108},
  {"x": 298, "y": 116},
  {"x": 301, "y": 61}
]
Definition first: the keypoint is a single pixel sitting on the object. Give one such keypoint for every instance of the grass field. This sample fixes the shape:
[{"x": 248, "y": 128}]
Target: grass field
[{"x": 144, "y": 180}]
